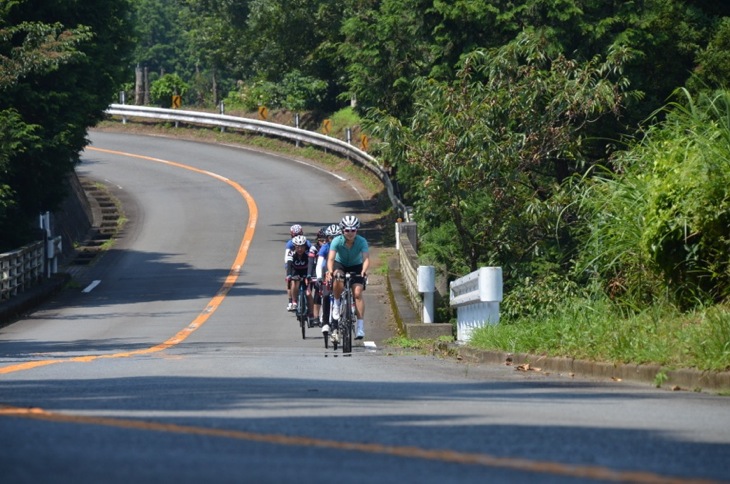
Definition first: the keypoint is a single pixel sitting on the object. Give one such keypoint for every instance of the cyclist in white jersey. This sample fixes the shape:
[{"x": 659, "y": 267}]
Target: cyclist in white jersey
[
  {"x": 331, "y": 232},
  {"x": 349, "y": 253},
  {"x": 295, "y": 230}
]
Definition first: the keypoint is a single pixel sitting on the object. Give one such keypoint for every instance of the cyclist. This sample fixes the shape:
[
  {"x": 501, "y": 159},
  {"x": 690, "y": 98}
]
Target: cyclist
[
  {"x": 296, "y": 265},
  {"x": 312, "y": 275},
  {"x": 349, "y": 253},
  {"x": 331, "y": 232},
  {"x": 294, "y": 230}
]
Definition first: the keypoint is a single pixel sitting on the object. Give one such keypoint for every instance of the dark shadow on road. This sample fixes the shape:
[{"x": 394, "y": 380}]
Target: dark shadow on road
[{"x": 278, "y": 406}]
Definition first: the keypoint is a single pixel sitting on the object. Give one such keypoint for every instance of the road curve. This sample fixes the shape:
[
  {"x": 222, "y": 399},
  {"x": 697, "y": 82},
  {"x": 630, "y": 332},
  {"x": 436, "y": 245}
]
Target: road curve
[{"x": 181, "y": 365}]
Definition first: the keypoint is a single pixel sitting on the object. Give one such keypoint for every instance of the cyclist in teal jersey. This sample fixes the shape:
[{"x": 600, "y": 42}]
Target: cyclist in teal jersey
[{"x": 349, "y": 253}]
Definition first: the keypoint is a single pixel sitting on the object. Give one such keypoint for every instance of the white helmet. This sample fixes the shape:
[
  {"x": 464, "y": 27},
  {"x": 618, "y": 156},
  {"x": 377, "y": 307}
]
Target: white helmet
[
  {"x": 299, "y": 240},
  {"x": 350, "y": 222},
  {"x": 333, "y": 230}
]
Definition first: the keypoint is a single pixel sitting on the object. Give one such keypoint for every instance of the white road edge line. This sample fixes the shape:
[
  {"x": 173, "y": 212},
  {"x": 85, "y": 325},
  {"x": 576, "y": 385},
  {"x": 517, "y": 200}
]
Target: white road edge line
[{"x": 91, "y": 286}]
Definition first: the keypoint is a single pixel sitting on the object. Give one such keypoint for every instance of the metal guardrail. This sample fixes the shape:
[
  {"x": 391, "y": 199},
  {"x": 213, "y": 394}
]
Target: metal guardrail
[
  {"x": 265, "y": 127},
  {"x": 21, "y": 269}
]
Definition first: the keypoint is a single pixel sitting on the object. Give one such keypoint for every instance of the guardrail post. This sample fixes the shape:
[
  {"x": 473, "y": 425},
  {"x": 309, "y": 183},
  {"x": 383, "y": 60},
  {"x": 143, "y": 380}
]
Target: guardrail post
[
  {"x": 476, "y": 297},
  {"x": 427, "y": 285},
  {"x": 123, "y": 100},
  {"x": 53, "y": 251},
  {"x": 296, "y": 125}
]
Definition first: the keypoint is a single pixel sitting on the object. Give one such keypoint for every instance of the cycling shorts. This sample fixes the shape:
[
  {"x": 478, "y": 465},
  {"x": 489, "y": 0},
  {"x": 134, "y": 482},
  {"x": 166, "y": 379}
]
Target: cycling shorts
[{"x": 356, "y": 269}]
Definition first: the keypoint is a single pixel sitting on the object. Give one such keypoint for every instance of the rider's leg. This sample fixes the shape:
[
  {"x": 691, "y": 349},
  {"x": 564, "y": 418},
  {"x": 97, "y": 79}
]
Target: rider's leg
[
  {"x": 317, "y": 303},
  {"x": 360, "y": 306},
  {"x": 325, "y": 310},
  {"x": 338, "y": 285},
  {"x": 294, "y": 290}
]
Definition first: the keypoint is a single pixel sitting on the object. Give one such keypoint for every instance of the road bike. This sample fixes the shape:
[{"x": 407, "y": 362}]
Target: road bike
[
  {"x": 302, "y": 312},
  {"x": 348, "y": 316}
]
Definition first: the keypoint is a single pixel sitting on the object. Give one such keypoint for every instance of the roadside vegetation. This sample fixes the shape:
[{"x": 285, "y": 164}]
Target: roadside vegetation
[{"x": 582, "y": 146}]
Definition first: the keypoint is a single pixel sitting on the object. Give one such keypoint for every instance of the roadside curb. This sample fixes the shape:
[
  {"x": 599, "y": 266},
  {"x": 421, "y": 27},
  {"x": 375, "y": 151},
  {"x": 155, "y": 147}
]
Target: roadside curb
[
  {"x": 679, "y": 379},
  {"x": 25, "y": 302}
]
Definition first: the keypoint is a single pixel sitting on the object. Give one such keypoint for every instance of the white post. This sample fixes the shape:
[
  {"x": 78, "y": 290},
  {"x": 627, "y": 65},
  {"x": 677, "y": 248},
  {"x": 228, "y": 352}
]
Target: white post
[
  {"x": 222, "y": 110},
  {"x": 427, "y": 286},
  {"x": 476, "y": 297}
]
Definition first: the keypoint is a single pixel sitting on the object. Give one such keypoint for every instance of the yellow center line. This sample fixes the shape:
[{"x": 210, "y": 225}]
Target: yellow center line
[
  {"x": 211, "y": 307},
  {"x": 448, "y": 456}
]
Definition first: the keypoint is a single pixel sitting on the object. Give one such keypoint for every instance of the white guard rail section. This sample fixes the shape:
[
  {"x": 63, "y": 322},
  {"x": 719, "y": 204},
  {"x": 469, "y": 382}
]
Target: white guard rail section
[
  {"x": 21, "y": 269},
  {"x": 262, "y": 127},
  {"x": 476, "y": 297}
]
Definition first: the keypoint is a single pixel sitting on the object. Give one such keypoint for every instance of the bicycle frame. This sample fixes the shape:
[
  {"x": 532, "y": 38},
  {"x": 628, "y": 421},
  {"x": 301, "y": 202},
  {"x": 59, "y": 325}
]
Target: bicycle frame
[
  {"x": 348, "y": 315},
  {"x": 302, "y": 312}
]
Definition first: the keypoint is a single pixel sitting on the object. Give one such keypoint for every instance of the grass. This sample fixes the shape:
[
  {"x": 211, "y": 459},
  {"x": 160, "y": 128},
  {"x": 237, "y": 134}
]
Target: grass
[
  {"x": 596, "y": 330},
  {"x": 425, "y": 346},
  {"x": 343, "y": 119}
]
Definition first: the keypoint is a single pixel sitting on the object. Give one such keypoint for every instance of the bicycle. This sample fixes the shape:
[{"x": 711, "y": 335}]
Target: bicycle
[
  {"x": 302, "y": 312},
  {"x": 348, "y": 315}
]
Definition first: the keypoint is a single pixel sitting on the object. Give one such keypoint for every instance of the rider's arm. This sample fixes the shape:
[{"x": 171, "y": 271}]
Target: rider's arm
[
  {"x": 312, "y": 264},
  {"x": 365, "y": 263},
  {"x": 288, "y": 251},
  {"x": 318, "y": 269},
  {"x": 331, "y": 262}
]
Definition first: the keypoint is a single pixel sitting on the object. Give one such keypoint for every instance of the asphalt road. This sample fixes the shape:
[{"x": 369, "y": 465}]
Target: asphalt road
[{"x": 175, "y": 361}]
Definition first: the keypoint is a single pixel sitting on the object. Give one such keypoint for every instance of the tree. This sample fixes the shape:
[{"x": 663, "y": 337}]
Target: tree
[
  {"x": 167, "y": 86},
  {"x": 41, "y": 48},
  {"x": 386, "y": 46},
  {"x": 295, "y": 36},
  {"x": 484, "y": 156},
  {"x": 75, "y": 67},
  {"x": 713, "y": 63},
  {"x": 160, "y": 41}
]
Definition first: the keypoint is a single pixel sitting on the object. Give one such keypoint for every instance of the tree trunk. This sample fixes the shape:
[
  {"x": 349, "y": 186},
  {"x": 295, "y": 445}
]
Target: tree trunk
[{"x": 138, "y": 86}]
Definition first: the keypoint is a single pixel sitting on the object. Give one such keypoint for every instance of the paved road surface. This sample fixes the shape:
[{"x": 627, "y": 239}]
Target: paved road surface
[{"x": 181, "y": 364}]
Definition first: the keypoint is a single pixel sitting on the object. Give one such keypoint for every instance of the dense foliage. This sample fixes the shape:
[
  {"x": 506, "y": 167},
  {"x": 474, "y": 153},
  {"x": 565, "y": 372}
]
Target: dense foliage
[
  {"x": 531, "y": 134},
  {"x": 60, "y": 62},
  {"x": 660, "y": 227}
]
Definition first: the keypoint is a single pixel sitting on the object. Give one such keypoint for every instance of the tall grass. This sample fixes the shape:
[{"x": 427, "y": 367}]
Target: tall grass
[
  {"x": 597, "y": 329},
  {"x": 658, "y": 224}
]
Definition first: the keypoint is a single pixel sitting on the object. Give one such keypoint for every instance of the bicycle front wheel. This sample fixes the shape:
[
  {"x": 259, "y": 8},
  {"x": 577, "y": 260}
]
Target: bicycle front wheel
[
  {"x": 302, "y": 312},
  {"x": 347, "y": 324}
]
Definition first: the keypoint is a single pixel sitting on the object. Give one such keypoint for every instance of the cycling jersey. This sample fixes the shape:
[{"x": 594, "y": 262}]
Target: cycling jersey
[
  {"x": 297, "y": 264},
  {"x": 290, "y": 248},
  {"x": 349, "y": 256},
  {"x": 322, "y": 260}
]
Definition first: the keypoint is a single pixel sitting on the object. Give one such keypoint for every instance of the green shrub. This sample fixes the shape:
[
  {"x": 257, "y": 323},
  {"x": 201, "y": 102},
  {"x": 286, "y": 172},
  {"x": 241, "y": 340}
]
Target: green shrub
[
  {"x": 661, "y": 227},
  {"x": 162, "y": 89}
]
